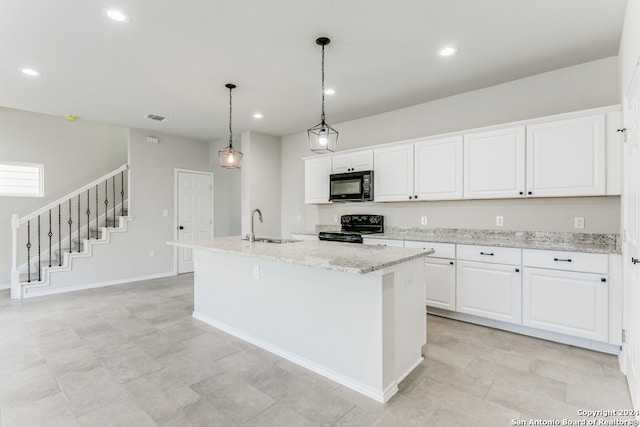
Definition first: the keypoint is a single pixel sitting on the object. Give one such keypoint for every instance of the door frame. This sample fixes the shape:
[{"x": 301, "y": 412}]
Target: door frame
[{"x": 176, "y": 172}]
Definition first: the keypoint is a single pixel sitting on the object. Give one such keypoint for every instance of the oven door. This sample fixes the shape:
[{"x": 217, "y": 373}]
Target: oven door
[{"x": 351, "y": 187}]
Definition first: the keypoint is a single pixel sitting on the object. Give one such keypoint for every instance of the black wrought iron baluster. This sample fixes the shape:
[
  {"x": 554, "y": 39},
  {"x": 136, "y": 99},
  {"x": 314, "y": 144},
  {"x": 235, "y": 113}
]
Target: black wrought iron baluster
[
  {"x": 122, "y": 193},
  {"x": 50, "y": 234},
  {"x": 113, "y": 184},
  {"x": 106, "y": 203},
  {"x": 39, "y": 253},
  {"x": 78, "y": 223},
  {"x": 88, "y": 217},
  {"x": 59, "y": 235},
  {"x": 70, "y": 221},
  {"x": 28, "y": 251}
]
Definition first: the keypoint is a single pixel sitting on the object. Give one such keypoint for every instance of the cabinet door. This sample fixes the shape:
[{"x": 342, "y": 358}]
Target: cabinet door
[
  {"x": 393, "y": 173},
  {"x": 316, "y": 180},
  {"x": 566, "y": 302},
  {"x": 614, "y": 153},
  {"x": 438, "y": 169},
  {"x": 567, "y": 157},
  {"x": 341, "y": 163},
  {"x": 494, "y": 164},
  {"x": 493, "y": 291},
  {"x": 362, "y": 161},
  {"x": 440, "y": 283}
]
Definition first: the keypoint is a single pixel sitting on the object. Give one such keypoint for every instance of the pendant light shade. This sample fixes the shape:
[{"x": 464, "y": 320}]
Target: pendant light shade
[
  {"x": 230, "y": 158},
  {"x": 322, "y": 137}
]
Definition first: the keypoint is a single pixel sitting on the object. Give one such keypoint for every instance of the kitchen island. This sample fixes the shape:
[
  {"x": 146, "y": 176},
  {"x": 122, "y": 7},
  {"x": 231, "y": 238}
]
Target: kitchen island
[{"x": 352, "y": 313}]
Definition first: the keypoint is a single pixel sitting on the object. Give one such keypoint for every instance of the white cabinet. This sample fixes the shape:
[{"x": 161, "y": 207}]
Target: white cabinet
[
  {"x": 393, "y": 173},
  {"x": 382, "y": 242},
  {"x": 316, "y": 179},
  {"x": 614, "y": 153},
  {"x": 564, "y": 299},
  {"x": 439, "y": 274},
  {"x": 353, "y": 162},
  {"x": 488, "y": 289},
  {"x": 567, "y": 157},
  {"x": 438, "y": 169},
  {"x": 494, "y": 163}
]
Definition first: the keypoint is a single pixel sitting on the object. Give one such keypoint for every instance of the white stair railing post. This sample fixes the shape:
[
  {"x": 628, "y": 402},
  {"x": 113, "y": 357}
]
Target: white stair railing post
[{"x": 15, "y": 274}]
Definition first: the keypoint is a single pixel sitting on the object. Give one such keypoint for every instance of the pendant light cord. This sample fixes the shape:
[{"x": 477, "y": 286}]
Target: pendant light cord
[
  {"x": 322, "y": 116},
  {"x": 230, "y": 131}
]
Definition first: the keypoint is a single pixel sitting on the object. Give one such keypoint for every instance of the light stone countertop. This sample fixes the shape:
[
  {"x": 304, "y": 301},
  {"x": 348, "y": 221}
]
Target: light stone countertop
[
  {"x": 558, "y": 241},
  {"x": 338, "y": 256}
]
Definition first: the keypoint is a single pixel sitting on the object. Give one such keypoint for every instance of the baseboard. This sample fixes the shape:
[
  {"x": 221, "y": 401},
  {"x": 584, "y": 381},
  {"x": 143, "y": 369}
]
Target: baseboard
[
  {"x": 532, "y": 332},
  {"x": 45, "y": 290},
  {"x": 375, "y": 394}
]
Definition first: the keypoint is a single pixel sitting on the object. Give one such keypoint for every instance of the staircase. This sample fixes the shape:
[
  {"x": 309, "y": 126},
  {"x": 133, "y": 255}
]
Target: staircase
[{"x": 53, "y": 238}]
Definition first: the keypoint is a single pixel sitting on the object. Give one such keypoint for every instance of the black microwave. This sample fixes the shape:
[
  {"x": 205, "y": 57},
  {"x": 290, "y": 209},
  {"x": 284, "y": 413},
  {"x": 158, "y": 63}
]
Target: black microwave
[{"x": 351, "y": 187}]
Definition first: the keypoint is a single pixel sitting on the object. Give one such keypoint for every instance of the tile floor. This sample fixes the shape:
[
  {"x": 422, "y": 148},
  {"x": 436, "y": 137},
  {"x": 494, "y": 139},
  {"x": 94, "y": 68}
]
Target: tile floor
[{"x": 131, "y": 355}]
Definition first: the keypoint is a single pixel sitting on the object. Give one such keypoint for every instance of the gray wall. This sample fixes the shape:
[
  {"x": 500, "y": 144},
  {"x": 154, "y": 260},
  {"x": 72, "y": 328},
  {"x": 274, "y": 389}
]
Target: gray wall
[
  {"x": 73, "y": 154},
  {"x": 589, "y": 85},
  {"x": 226, "y": 193},
  {"x": 152, "y": 178},
  {"x": 261, "y": 183}
]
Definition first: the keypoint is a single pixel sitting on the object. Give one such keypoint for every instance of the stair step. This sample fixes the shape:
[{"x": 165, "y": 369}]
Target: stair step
[{"x": 24, "y": 278}]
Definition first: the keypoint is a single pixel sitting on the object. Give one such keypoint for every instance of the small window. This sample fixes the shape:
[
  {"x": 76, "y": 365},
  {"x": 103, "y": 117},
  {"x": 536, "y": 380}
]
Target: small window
[{"x": 21, "y": 179}]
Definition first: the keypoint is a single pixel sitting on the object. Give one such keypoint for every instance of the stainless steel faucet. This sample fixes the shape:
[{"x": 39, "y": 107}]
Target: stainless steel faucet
[{"x": 252, "y": 237}]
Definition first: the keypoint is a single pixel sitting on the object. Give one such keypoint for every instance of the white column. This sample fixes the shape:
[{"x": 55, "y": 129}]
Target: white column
[{"x": 15, "y": 274}]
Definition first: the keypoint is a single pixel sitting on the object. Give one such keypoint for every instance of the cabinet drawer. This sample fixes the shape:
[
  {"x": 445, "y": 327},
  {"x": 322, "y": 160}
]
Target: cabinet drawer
[
  {"x": 383, "y": 242},
  {"x": 490, "y": 254},
  {"x": 569, "y": 261},
  {"x": 442, "y": 250}
]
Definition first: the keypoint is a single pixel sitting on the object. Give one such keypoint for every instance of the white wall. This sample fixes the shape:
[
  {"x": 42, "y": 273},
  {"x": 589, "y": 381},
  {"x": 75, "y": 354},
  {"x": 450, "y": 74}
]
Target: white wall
[
  {"x": 261, "y": 188},
  {"x": 73, "y": 154},
  {"x": 629, "y": 44},
  {"x": 226, "y": 193},
  {"x": 588, "y": 85}
]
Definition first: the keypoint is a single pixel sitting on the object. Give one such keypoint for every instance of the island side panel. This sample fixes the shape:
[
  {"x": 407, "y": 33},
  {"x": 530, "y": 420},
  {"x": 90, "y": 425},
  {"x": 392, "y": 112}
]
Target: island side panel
[{"x": 328, "y": 321}]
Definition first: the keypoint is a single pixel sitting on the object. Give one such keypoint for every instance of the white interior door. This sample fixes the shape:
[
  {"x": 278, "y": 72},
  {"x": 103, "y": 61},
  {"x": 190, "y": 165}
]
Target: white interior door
[
  {"x": 195, "y": 213},
  {"x": 631, "y": 245}
]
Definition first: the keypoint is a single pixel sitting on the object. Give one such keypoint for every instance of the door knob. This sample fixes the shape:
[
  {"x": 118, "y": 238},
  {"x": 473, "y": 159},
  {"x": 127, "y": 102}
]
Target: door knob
[{"x": 181, "y": 228}]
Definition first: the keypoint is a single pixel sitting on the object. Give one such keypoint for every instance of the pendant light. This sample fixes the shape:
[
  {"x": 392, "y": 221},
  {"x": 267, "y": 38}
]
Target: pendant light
[
  {"x": 322, "y": 137},
  {"x": 230, "y": 158}
]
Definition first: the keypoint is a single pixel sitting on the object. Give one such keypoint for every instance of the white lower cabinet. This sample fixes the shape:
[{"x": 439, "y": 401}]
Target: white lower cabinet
[
  {"x": 493, "y": 291},
  {"x": 439, "y": 274},
  {"x": 572, "y": 298}
]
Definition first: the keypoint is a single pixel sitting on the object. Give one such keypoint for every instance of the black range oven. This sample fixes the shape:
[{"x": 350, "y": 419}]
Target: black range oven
[{"x": 353, "y": 227}]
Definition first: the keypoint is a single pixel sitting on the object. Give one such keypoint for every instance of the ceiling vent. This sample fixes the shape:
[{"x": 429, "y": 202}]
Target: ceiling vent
[{"x": 156, "y": 117}]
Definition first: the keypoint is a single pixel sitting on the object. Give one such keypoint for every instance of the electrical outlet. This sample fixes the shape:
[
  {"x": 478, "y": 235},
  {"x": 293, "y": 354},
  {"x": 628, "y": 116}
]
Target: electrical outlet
[
  {"x": 499, "y": 220},
  {"x": 299, "y": 218},
  {"x": 335, "y": 219},
  {"x": 165, "y": 212},
  {"x": 256, "y": 271},
  {"x": 423, "y": 220},
  {"x": 152, "y": 253},
  {"x": 578, "y": 222}
]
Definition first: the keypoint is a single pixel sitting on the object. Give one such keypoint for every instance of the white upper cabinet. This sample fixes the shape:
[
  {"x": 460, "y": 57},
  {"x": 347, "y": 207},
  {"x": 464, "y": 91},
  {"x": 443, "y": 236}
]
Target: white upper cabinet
[
  {"x": 393, "y": 173},
  {"x": 438, "y": 169},
  {"x": 494, "y": 163},
  {"x": 353, "y": 162},
  {"x": 614, "y": 153},
  {"x": 316, "y": 179},
  {"x": 567, "y": 157}
]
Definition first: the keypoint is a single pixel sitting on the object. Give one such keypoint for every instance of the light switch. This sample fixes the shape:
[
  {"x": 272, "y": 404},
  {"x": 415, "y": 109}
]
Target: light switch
[
  {"x": 423, "y": 220},
  {"x": 165, "y": 212},
  {"x": 256, "y": 271}
]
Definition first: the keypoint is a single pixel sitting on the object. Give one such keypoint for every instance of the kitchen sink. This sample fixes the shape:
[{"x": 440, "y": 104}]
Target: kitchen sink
[{"x": 272, "y": 240}]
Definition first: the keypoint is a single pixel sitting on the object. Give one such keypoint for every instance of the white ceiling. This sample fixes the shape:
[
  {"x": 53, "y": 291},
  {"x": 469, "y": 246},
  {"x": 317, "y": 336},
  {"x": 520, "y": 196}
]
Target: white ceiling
[{"x": 174, "y": 57}]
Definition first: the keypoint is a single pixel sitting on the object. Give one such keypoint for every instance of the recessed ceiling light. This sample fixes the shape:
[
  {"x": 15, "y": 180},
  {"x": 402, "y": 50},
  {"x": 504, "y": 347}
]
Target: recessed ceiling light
[
  {"x": 257, "y": 116},
  {"x": 329, "y": 91},
  {"x": 449, "y": 50},
  {"x": 31, "y": 72},
  {"x": 116, "y": 15}
]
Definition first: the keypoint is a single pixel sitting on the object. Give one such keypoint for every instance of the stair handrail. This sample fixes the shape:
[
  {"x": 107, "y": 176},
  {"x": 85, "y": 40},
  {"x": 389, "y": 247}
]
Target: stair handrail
[{"x": 55, "y": 203}]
